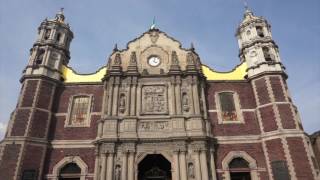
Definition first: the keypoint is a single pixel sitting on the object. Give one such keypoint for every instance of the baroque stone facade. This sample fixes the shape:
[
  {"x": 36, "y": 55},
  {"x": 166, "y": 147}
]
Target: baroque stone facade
[{"x": 156, "y": 113}]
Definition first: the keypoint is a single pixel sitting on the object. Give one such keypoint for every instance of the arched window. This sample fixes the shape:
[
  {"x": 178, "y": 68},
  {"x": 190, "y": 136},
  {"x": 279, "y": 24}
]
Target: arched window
[
  {"x": 58, "y": 37},
  {"x": 239, "y": 169},
  {"x": 47, "y": 34},
  {"x": 267, "y": 55},
  {"x": 260, "y": 31},
  {"x": 70, "y": 171},
  {"x": 40, "y": 56},
  {"x": 239, "y": 165}
]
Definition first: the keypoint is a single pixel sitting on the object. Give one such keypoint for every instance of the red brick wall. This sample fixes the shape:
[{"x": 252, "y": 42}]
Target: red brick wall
[
  {"x": 299, "y": 158},
  {"x": 56, "y": 155},
  {"x": 287, "y": 119},
  {"x": 30, "y": 90},
  {"x": 247, "y": 101},
  {"x": 32, "y": 158},
  {"x": 268, "y": 118},
  {"x": 262, "y": 91},
  {"x": 243, "y": 89},
  {"x": 64, "y": 94},
  {"x": 9, "y": 161},
  {"x": 45, "y": 93},
  {"x": 39, "y": 124},
  {"x": 275, "y": 150},
  {"x": 277, "y": 89},
  {"x": 253, "y": 149},
  {"x": 249, "y": 127},
  {"x": 20, "y": 122},
  {"x": 59, "y": 132}
]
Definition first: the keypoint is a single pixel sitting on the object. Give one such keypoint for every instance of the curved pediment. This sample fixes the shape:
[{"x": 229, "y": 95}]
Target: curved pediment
[
  {"x": 167, "y": 50},
  {"x": 153, "y": 43}
]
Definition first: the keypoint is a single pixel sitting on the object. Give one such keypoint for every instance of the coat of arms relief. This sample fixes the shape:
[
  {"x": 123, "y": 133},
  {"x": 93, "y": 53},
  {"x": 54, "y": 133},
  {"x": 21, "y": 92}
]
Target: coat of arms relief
[{"x": 154, "y": 100}]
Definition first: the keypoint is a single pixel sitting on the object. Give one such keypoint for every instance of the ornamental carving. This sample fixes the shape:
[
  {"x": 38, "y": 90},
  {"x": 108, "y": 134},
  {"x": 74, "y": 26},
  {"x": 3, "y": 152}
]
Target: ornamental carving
[
  {"x": 154, "y": 100},
  {"x": 154, "y": 126}
]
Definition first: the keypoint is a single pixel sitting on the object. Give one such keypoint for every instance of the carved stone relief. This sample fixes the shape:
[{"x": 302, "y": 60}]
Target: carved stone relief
[
  {"x": 154, "y": 99},
  {"x": 154, "y": 125}
]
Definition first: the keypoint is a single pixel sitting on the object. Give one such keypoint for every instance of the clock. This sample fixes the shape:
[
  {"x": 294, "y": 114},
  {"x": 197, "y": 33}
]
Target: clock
[{"x": 154, "y": 61}]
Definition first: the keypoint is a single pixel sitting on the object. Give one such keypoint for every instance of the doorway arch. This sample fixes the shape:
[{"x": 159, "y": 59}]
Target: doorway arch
[{"x": 154, "y": 167}]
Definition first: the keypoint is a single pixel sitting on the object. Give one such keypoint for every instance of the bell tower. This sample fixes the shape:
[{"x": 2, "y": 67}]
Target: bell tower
[
  {"x": 26, "y": 141},
  {"x": 51, "y": 49},
  {"x": 257, "y": 47}
]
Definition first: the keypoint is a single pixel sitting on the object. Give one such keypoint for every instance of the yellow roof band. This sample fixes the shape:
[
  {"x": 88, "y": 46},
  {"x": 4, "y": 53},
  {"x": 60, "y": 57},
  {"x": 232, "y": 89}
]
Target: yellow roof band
[
  {"x": 238, "y": 73},
  {"x": 70, "y": 76}
]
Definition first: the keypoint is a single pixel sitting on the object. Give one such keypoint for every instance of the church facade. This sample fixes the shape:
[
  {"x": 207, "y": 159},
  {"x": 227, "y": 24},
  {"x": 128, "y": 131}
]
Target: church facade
[{"x": 155, "y": 112}]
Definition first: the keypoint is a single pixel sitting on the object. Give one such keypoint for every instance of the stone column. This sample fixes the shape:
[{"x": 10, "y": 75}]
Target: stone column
[
  {"x": 183, "y": 165},
  {"x": 176, "y": 165},
  {"x": 133, "y": 97},
  {"x": 100, "y": 129},
  {"x": 103, "y": 166},
  {"x": 124, "y": 166},
  {"x": 131, "y": 166},
  {"x": 196, "y": 158},
  {"x": 213, "y": 166},
  {"x": 96, "y": 165},
  {"x": 110, "y": 95},
  {"x": 110, "y": 166},
  {"x": 178, "y": 95},
  {"x": 204, "y": 165},
  {"x": 195, "y": 94},
  {"x": 115, "y": 96},
  {"x": 172, "y": 96}
]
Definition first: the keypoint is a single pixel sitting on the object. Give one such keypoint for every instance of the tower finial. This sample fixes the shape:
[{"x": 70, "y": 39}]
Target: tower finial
[
  {"x": 153, "y": 25},
  {"x": 60, "y": 16},
  {"x": 115, "y": 47},
  {"x": 192, "y": 46},
  {"x": 245, "y": 3}
]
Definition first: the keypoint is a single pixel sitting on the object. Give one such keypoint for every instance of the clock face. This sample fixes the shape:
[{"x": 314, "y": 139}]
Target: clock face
[{"x": 154, "y": 61}]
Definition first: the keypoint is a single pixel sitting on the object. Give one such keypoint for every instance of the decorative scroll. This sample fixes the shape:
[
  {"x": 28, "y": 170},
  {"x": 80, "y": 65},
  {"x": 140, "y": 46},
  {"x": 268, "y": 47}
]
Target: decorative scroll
[
  {"x": 154, "y": 126},
  {"x": 154, "y": 100}
]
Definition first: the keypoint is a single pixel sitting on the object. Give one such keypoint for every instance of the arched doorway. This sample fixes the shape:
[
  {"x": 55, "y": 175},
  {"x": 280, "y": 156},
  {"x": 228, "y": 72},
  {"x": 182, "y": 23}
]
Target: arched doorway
[
  {"x": 70, "y": 171},
  {"x": 154, "y": 167},
  {"x": 239, "y": 169}
]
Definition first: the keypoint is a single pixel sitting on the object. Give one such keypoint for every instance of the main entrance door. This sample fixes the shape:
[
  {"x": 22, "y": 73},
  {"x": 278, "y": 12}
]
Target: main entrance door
[{"x": 154, "y": 167}]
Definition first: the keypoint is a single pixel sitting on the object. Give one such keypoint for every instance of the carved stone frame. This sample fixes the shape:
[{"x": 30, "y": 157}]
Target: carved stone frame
[
  {"x": 68, "y": 118},
  {"x": 71, "y": 159},
  {"x": 242, "y": 154},
  {"x": 237, "y": 105}
]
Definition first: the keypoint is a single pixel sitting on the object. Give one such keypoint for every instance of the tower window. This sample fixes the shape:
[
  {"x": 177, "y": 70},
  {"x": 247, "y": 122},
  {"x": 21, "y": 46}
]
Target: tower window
[
  {"x": 239, "y": 169},
  {"x": 260, "y": 31},
  {"x": 227, "y": 106},
  {"x": 267, "y": 54},
  {"x": 47, "y": 34},
  {"x": 79, "y": 111},
  {"x": 40, "y": 56},
  {"x": 58, "y": 38}
]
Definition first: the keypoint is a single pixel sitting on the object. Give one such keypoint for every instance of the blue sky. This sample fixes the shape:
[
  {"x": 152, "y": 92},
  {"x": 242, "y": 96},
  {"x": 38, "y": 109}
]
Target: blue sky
[{"x": 209, "y": 24}]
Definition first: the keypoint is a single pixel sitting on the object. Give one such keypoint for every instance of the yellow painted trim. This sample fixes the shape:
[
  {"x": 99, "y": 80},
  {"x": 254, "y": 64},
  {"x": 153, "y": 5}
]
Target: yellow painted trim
[
  {"x": 70, "y": 76},
  {"x": 238, "y": 73}
]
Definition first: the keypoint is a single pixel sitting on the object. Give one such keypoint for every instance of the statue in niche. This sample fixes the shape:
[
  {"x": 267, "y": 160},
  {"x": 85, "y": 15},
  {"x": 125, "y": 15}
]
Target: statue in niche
[
  {"x": 190, "y": 170},
  {"x": 174, "y": 58},
  {"x": 117, "y": 173},
  {"x": 133, "y": 58},
  {"x": 122, "y": 103},
  {"x": 117, "y": 59},
  {"x": 190, "y": 59},
  {"x": 185, "y": 102}
]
